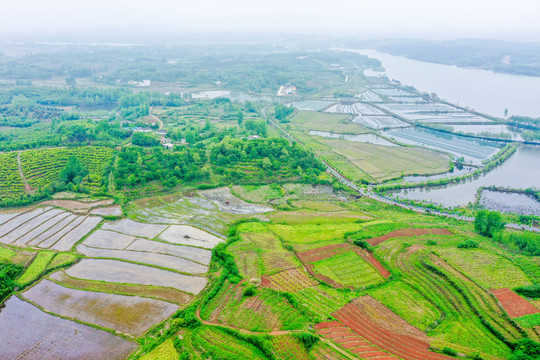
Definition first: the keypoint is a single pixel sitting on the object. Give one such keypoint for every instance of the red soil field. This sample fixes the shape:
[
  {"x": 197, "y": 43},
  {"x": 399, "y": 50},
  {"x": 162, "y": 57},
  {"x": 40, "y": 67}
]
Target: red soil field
[
  {"x": 374, "y": 332},
  {"x": 325, "y": 252},
  {"x": 514, "y": 304},
  {"x": 407, "y": 233},
  {"x": 348, "y": 339}
]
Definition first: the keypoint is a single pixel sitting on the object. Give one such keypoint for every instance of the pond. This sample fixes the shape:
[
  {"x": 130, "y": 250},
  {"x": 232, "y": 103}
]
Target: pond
[
  {"x": 519, "y": 171},
  {"x": 509, "y": 202}
]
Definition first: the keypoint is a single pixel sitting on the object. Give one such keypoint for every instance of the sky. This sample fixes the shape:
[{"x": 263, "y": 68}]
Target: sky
[{"x": 508, "y": 19}]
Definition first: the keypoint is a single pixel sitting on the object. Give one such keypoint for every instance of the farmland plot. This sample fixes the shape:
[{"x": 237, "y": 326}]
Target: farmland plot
[
  {"x": 161, "y": 260},
  {"x": 392, "y": 92},
  {"x": 513, "y": 304},
  {"x": 128, "y": 314},
  {"x": 29, "y": 226},
  {"x": 473, "y": 150},
  {"x": 109, "y": 240},
  {"x": 11, "y": 184},
  {"x": 189, "y": 235},
  {"x": 134, "y": 228},
  {"x": 29, "y": 333},
  {"x": 370, "y": 96},
  {"x": 156, "y": 292},
  {"x": 348, "y": 270},
  {"x": 54, "y": 233},
  {"x": 230, "y": 204},
  {"x": 17, "y": 221},
  {"x": 311, "y": 105},
  {"x": 489, "y": 270},
  {"x": 407, "y": 99},
  {"x": 379, "y": 122},
  {"x": 115, "y": 271},
  {"x": 356, "y": 108},
  {"x": 67, "y": 241},
  {"x": 25, "y": 239},
  {"x": 107, "y": 211}
]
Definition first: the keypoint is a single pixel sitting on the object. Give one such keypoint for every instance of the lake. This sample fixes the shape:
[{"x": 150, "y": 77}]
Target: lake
[
  {"x": 519, "y": 171},
  {"x": 481, "y": 90}
]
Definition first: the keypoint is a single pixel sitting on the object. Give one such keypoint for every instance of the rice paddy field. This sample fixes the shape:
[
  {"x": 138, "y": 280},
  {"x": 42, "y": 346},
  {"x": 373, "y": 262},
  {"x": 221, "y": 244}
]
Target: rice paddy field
[
  {"x": 379, "y": 122},
  {"x": 355, "y": 108}
]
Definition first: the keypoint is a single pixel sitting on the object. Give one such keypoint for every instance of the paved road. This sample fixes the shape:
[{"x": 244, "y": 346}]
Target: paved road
[{"x": 372, "y": 195}]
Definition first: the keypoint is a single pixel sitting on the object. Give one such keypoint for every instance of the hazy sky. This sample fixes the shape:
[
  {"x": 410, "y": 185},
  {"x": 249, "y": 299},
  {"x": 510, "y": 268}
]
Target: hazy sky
[{"x": 430, "y": 18}]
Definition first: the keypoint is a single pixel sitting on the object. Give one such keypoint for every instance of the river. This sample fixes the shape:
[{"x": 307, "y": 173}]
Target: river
[{"x": 482, "y": 90}]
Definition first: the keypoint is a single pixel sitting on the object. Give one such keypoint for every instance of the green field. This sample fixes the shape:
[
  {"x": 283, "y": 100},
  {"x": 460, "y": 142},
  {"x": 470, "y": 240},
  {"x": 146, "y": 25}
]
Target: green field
[
  {"x": 529, "y": 321},
  {"x": 348, "y": 269},
  {"x": 42, "y": 167},
  {"x": 11, "y": 184},
  {"x": 36, "y": 268},
  {"x": 165, "y": 351},
  {"x": 489, "y": 270},
  {"x": 214, "y": 343},
  {"x": 384, "y": 162},
  {"x": 313, "y": 120},
  {"x": 408, "y": 303}
]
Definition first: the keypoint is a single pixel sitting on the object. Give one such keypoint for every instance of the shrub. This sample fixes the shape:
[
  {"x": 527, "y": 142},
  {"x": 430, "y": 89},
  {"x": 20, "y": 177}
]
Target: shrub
[
  {"x": 309, "y": 340},
  {"x": 488, "y": 223},
  {"x": 431, "y": 242},
  {"x": 363, "y": 244},
  {"x": 469, "y": 244},
  {"x": 532, "y": 291},
  {"x": 249, "y": 291},
  {"x": 449, "y": 351},
  {"x": 526, "y": 349}
]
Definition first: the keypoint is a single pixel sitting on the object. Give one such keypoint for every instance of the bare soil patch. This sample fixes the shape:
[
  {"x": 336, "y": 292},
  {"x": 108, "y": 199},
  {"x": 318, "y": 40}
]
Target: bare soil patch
[
  {"x": 228, "y": 203},
  {"x": 513, "y": 304}
]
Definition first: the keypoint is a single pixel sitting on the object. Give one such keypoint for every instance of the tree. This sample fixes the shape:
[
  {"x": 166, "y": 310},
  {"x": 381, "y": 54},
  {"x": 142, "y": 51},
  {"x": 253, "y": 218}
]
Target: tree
[
  {"x": 74, "y": 171},
  {"x": 488, "y": 223},
  {"x": 240, "y": 116}
]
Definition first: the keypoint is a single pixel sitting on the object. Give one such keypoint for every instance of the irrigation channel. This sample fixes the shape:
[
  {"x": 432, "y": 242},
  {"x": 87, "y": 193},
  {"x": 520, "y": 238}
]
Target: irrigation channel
[{"x": 367, "y": 192}]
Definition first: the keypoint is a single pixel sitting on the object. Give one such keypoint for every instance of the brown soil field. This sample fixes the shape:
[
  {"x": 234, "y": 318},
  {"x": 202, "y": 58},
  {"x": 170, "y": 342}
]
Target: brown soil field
[
  {"x": 348, "y": 339},
  {"x": 29, "y": 333},
  {"x": 408, "y": 233},
  {"x": 361, "y": 317},
  {"x": 79, "y": 207},
  {"x": 162, "y": 293},
  {"x": 132, "y": 315},
  {"x": 514, "y": 304}
]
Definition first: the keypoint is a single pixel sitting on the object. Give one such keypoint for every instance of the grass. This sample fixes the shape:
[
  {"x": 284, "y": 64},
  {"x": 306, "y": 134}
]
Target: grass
[
  {"x": 61, "y": 260},
  {"x": 348, "y": 269},
  {"x": 6, "y": 254},
  {"x": 385, "y": 162},
  {"x": 313, "y": 120},
  {"x": 164, "y": 351},
  {"x": 257, "y": 194},
  {"x": 322, "y": 300},
  {"x": 36, "y": 268},
  {"x": 287, "y": 347},
  {"x": 214, "y": 343},
  {"x": 408, "y": 303},
  {"x": 266, "y": 311},
  {"x": 488, "y": 269},
  {"x": 529, "y": 321}
]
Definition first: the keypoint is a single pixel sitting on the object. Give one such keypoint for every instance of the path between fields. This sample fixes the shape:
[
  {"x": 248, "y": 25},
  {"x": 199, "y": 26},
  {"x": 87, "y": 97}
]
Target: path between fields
[
  {"x": 372, "y": 195},
  {"x": 27, "y": 187},
  {"x": 155, "y": 118}
]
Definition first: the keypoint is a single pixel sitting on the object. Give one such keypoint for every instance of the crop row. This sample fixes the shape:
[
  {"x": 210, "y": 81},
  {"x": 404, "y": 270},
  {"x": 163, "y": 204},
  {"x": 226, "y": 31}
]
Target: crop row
[
  {"x": 42, "y": 167},
  {"x": 11, "y": 184}
]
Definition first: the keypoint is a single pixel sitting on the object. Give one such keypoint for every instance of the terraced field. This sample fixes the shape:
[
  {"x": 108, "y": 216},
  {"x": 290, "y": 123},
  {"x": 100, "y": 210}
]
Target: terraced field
[
  {"x": 11, "y": 183},
  {"x": 42, "y": 167}
]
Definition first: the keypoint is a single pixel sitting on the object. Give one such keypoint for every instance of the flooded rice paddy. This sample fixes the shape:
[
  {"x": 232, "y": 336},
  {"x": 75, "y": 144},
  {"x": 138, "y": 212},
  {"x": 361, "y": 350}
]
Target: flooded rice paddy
[
  {"x": 228, "y": 203},
  {"x": 379, "y": 122},
  {"x": 115, "y": 271},
  {"x": 134, "y": 228},
  {"x": 363, "y": 138},
  {"x": 132, "y": 315},
  {"x": 189, "y": 235},
  {"x": 29, "y": 333}
]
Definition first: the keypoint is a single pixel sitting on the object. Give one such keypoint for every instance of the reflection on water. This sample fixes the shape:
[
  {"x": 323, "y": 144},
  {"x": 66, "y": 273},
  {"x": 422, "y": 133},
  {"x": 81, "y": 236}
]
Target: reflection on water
[
  {"x": 457, "y": 171},
  {"x": 365, "y": 138},
  {"x": 519, "y": 171},
  {"x": 521, "y": 204},
  {"x": 493, "y": 129}
]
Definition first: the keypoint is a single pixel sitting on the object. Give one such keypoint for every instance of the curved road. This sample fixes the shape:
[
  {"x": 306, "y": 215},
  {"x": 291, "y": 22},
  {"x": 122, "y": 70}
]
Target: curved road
[{"x": 367, "y": 192}]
